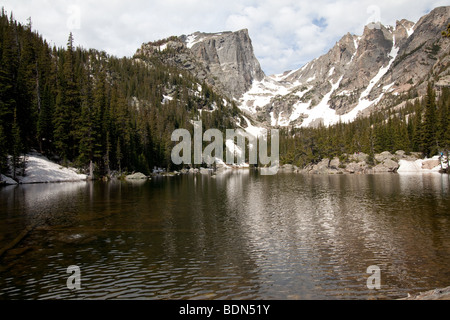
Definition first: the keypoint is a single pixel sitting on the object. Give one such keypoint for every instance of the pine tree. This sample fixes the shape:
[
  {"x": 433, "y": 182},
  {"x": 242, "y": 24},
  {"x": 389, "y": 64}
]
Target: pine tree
[
  {"x": 8, "y": 73},
  {"x": 430, "y": 123},
  {"x": 3, "y": 152},
  {"x": 26, "y": 87},
  {"x": 100, "y": 117},
  {"x": 444, "y": 124},
  {"x": 107, "y": 157},
  {"x": 446, "y": 33},
  {"x": 119, "y": 156},
  {"x": 45, "y": 93},
  {"x": 16, "y": 145},
  {"x": 87, "y": 133},
  {"x": 417, "y": 132},
  {"x": 45, "y": 126},
  {"x": 67, "y": 106}
]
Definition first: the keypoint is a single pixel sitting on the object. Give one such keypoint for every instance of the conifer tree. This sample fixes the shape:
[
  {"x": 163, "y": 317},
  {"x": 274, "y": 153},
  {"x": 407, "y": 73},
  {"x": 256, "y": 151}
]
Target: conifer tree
[
  {"x": 8, "y": 73},
  {"x": 45, "y": 121},
  {"x": 444, "y": 117},
  {"x": 45, "y": 93},
  {"x": 67, "y": 106},
  {"x": 16, "y": 145},
  {"x": 446, "y": 33},
  {"x": 430, "y": 123},
  {"x": 87, "y": 131},
  {"x": 417, "y": 135},
  {"x": 101, "y": 116},
  {"x": 3, "y": 152},
  {"x": 119, "y": 156},
  {"x": 26, "y": 106}
]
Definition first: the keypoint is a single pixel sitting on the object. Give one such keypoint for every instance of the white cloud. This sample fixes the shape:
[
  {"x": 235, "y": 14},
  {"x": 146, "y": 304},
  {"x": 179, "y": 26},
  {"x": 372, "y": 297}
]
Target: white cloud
[{"x": 283, "y": 31}]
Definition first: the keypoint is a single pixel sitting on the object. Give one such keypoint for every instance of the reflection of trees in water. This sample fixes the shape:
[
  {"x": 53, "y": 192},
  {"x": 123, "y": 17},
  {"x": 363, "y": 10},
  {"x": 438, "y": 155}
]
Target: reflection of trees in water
[
  {"x": 43, "y": 203},
  {"x": 200, "y": 236},
  {"x": 242, "y": 235}
]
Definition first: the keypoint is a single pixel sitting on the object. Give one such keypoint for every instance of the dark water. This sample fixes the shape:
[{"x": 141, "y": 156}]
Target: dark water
[{"x": 237, "y": 236}]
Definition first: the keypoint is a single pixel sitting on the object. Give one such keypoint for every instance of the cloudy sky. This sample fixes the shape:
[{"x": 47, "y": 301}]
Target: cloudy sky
[{"x": 286, "y": 34}]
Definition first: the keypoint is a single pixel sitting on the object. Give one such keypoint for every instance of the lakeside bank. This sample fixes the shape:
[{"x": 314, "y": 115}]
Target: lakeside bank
[{"x": 385, "y": 162}]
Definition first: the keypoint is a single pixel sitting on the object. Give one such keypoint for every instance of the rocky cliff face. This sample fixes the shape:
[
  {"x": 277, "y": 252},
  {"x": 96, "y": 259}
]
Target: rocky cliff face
[
  {"x": 381, "y": 68},
  {"x": 224, "y": 60},
  {"x": 357, "y": 75},
  {"x": 229, "y": 57}
]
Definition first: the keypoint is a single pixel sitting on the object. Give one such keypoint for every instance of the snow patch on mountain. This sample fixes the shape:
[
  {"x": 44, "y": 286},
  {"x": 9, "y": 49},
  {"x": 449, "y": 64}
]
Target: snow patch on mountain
[
  {"x": 323, "y": 111},
  {"x": 364, "y": 102},
  {"x": 191, "y": 40},
  {"x": 262, "y": 92}
]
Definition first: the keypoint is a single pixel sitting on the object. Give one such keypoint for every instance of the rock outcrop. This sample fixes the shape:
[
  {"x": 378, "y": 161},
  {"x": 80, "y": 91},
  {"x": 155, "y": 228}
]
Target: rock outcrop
[
  {"x": 380, "y": 68},
  {"x": 437, "y": 294},
  {"x": 357, "y": 75},
  {"x": 360, "y": 163},
  {"x": 136, "y": 176},
  {"x": 229, "y": 57},
  {"x": 223, "y": 60}
]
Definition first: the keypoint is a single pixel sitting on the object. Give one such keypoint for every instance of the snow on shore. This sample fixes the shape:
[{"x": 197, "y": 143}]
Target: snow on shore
[
  {"x": 8, "y": 180},
  {"x": 39, "y": 169},
  {"x": 418, "y": 166}
]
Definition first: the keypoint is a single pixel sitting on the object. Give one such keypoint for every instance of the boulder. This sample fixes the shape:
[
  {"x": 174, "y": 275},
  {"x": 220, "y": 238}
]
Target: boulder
[
  {"x": 437, "y": 294},
  {"x": 335, "y": 163},
  {"x": 205, "y": 171},
  {"x": 354, "y": 167},
  {"x": 287, "y": 168},
  {"x": 384, "y": 156},
  {"x": 321, "y": 167},
  {"x": 430, "y": 164},
  {"x": 136, "y": 176},
  {"x": 388, "y": 165},
  {"x": 400, "y": 154},
  {"x": 77, "y": 238},
  {"x": 359, "y": 157}
]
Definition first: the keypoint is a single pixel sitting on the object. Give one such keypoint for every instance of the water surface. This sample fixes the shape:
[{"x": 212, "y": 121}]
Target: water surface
[{"x": 237, "y": 236}]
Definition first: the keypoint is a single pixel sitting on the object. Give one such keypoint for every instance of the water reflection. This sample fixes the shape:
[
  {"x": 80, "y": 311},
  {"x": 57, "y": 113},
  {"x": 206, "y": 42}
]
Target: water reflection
[{"x": 235, "y": 236}]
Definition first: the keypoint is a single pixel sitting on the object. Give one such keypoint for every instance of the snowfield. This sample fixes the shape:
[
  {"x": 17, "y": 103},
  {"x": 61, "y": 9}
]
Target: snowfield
[
  {"x": 417, "y": 166},
  {"x": 40, "y": 169},
  {"x": 8, "y": 180}
]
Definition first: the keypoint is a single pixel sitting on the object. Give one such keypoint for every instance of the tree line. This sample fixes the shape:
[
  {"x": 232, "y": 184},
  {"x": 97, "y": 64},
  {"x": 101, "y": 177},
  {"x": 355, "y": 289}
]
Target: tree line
[
  {"x": 422, "y": 125},
  {"x": 84, "y": 107}
]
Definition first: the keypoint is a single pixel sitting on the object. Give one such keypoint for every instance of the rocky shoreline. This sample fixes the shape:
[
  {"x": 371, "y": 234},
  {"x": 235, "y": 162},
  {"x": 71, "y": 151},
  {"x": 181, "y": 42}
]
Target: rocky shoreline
[
  {"x": 41, "y": 170},
  {"x": 361, "y": 163},
  {"x": 437, "y": 294}
]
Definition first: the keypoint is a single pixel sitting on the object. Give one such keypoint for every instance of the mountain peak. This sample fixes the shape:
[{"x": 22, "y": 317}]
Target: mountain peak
[
  {"x": 230, "y": 58},
  {"x": 384, "y": 65}
]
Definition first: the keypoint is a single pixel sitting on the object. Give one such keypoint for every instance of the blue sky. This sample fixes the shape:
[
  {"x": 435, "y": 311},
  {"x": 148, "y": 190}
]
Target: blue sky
[{"x": 286, "y": 34}]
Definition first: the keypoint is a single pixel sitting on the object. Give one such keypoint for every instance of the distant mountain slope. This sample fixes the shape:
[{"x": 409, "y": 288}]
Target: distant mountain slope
[
  {"x": 224, "y": 60},
  {"x": 382, "y": 67}
]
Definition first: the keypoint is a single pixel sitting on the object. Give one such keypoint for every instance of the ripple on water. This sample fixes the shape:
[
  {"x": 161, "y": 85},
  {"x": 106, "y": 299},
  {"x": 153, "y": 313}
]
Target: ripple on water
[{"x": 241, "y": 237}]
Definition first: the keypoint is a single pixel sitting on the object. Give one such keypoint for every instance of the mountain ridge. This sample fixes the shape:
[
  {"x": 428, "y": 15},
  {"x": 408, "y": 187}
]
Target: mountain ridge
[
  {"x": 224, "y": 60},
  {"x": 359, "y": 74}
]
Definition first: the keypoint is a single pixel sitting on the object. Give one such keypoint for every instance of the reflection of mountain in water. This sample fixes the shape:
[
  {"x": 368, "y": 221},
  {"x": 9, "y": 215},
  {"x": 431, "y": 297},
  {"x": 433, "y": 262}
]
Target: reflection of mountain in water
[{"x": 239, "y": 235}]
